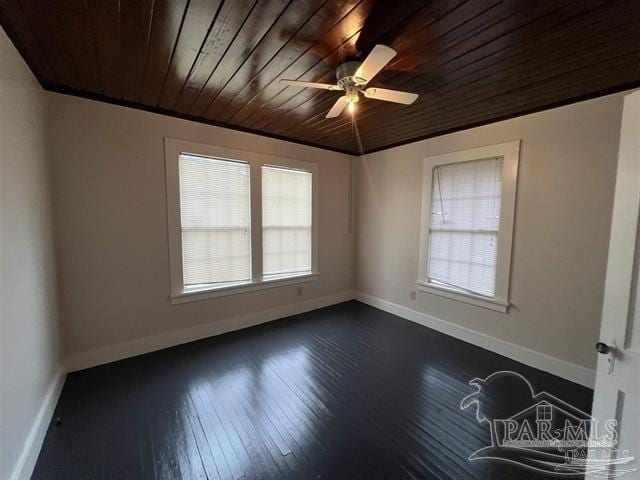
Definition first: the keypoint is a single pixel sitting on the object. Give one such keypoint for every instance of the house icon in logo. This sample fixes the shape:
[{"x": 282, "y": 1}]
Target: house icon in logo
[{"x": 547, "y": 419}]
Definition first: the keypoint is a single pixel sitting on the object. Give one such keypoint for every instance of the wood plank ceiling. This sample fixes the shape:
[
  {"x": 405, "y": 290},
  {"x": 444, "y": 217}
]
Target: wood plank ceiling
[{"x": 219, "y": 62}]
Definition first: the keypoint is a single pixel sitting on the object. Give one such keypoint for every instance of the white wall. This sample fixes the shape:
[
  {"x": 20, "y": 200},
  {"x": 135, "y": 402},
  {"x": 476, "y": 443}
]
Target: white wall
[
  {"x": 111, "y": 224},
  {"x": 110, "y": 207},
  {"x": 564, "y": 201},
  {"x": 29, "y": 365}
]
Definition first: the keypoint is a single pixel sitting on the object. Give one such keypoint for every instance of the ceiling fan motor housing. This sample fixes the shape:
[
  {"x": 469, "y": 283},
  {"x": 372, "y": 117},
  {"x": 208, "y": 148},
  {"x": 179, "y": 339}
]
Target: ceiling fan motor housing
[
  {"x": 348, "y": 81},
  {"x": 346, "y": 74}
]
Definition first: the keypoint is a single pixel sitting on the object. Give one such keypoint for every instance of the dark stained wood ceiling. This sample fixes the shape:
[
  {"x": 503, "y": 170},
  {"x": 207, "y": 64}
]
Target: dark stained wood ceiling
[{"x": 219, "y": 62}]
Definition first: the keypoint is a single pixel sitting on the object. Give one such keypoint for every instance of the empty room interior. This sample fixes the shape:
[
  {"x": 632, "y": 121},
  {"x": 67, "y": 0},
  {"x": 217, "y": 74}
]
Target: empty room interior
[{"x": 319, "y": 239}]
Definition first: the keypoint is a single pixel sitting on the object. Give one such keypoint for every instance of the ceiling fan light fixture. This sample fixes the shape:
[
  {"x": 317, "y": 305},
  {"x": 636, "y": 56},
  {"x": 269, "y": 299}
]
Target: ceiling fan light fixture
[
  {"x": 352, "y": 107},
  {"x": 352, "y": 96}
]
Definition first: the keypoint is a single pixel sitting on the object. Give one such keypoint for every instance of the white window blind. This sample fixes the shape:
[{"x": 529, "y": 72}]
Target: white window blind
[
  {"x": 286, "y": 221},
  {"x": 465, "y": 218},
  {"x": 215, "y": 212}
]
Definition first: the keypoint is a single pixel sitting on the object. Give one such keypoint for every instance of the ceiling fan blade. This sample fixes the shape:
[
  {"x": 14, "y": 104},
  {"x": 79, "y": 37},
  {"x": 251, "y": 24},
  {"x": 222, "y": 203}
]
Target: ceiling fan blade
[
  {"x": 298, "y": 83},
  {"x": 337, "y": 108},
  {"x": 395, "y": 96},
  {"x": 375, "y": 61}
]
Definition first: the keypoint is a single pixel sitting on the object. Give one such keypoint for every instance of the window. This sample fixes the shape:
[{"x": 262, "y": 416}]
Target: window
[
  {"x": 463, "y": 235},
  {"x": 238, "y": 221},
  {"x": 215, "y": 214},
  {"x": 286, "y": 220},
  {"x": 468, "y": 208},
  {"x": 544, "y": 413}
]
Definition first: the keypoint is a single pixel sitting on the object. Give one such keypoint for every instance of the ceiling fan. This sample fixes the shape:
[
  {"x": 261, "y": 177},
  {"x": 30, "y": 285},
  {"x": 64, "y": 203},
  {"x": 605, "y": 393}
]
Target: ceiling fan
[{"x": 354, "y": 76}]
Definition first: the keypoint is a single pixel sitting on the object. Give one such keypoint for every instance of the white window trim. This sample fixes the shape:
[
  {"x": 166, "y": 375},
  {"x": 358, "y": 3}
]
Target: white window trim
[
  {"x": 244, "y": 287},
  {"x": 510, "y": 152},
  {"x": 178, "y": 294}
]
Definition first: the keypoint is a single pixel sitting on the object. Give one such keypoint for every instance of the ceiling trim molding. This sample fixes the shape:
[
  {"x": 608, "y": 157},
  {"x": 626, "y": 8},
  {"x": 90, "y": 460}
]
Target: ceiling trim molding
[
  {"x": 550, "y": 106},
  {"x": 160, "y": 111},
  {"x": 146, "y": 108}
]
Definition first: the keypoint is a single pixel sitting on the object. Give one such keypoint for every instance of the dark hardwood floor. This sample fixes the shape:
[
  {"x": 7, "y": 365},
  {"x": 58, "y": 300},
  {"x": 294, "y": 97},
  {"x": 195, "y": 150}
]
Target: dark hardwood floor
[{"x": 345, "y": 392}]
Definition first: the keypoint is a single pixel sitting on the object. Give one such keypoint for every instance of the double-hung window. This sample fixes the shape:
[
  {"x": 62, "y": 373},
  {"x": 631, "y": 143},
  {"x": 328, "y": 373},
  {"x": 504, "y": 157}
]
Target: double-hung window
[
  {"x": 238, "y": 221},
  {"x": 468, "y": 209},
  {"x": 286, "y": 221},
  {"x": 215, "y": 221}
]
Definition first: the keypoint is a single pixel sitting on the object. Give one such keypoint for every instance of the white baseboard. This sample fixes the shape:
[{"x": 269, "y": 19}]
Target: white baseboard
[
  {"x": 33, "y": 444},
  {"x": 561, "y": 368},
  {"x": 100, "y": 356}
]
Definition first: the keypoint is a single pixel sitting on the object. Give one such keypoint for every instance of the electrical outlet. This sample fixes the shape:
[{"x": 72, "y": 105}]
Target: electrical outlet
[
  {"x": 412, "y": 295},
  {"x": 299, "y": 291}
]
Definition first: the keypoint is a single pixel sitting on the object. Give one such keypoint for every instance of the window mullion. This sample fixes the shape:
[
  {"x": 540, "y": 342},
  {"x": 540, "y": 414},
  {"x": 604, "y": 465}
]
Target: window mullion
[{"x": 256, "y": 223}]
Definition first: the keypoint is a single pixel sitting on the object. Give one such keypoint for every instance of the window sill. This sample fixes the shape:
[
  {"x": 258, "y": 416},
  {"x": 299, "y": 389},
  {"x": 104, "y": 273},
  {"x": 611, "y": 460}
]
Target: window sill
[
  {"x": 215, "y": 292},
  {"x": 477, "y": 300}
]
